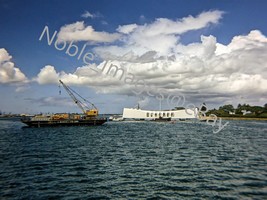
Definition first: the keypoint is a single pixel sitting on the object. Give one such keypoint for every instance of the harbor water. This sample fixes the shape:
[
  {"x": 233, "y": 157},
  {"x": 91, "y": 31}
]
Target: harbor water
[{"x": 134, "y": 160}]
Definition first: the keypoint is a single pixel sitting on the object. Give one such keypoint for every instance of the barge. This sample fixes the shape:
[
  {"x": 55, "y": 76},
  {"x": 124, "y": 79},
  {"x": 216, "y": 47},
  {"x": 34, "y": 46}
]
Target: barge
[
  {"x": 88, "y": 118},
  {"x": 50, "y": 121}
]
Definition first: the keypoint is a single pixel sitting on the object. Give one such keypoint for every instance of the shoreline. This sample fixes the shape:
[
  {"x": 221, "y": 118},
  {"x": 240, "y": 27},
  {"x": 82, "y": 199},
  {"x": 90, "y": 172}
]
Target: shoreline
[{"x": 244, "y": 118}]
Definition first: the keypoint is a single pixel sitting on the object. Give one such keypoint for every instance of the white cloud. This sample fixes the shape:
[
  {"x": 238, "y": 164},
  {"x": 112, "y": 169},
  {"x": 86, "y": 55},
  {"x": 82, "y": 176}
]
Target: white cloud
[
  {"x": 195, "y": 69},
  {"x": 166, "y": 26},
  {"x": 8, "y": 72},
  {"x": 161, "y": 36},
  {"x": 254, "y": 38},
  {"x": 82, "y": 76},
  {"x": 87, "y": 14},
  {"x": 47, "y": 75},
  {"x": 126, "y": 29},
  {"x": 79, "y": 32},
  {"x": 205, "y": 71},
  {"x": 4, "y": 56}
]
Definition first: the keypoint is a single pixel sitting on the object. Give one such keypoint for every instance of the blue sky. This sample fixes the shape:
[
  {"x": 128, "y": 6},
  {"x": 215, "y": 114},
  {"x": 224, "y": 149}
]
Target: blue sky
[{"x": 22, "y": 23}]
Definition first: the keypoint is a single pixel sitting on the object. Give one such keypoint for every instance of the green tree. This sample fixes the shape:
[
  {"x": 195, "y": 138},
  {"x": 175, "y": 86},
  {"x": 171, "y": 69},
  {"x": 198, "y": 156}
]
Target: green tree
[
  {"x": 265, "y": 108},
  {"x": 240, "y": 107},
  {"x": 227, "y": 108},
  {"x": 257, "y": 110}
]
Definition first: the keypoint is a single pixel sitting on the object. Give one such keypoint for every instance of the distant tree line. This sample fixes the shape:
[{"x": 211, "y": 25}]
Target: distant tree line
[{"x": 244, "y": 110}]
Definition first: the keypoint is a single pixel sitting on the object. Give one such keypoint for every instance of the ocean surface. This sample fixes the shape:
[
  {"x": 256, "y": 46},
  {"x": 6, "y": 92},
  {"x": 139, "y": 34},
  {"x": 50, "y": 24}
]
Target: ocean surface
[{"x": 134, "y": 160}]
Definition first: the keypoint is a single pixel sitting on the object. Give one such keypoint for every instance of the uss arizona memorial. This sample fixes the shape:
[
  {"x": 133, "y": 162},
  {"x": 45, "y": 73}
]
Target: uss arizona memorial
[{"x": 135, "y": 113}]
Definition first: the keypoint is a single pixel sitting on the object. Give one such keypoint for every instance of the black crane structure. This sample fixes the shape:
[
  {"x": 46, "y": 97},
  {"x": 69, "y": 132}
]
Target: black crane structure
[{"x": 83, "y": 105}]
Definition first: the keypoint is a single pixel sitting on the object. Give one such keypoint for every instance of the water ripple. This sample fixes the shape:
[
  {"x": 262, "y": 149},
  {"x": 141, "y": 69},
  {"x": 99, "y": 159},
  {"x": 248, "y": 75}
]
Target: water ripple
[{"x": 137, "y": 160}]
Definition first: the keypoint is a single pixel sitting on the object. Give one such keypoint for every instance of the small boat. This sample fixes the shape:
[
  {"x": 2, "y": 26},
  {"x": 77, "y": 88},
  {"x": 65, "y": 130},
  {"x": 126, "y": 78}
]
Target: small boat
[
  {"x": 88, "y": 118},
  {"x": 116, "y": 118}
]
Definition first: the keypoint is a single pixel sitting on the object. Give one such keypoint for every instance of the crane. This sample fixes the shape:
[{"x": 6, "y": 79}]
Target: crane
[{"x": 83, "y": 106}]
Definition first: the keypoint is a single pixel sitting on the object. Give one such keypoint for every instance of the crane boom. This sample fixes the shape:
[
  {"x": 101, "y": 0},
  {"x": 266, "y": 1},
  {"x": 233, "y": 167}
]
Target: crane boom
[
  {"x": 76, "y": 101},
  {"x": 90, "y": 113}
]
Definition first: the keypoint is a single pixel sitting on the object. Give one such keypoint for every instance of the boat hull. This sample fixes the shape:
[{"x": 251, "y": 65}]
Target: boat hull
[{"x": 57, "y": 123}]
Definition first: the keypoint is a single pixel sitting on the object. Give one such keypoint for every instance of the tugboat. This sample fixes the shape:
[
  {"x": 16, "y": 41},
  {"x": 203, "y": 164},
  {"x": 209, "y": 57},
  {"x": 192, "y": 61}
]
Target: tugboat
[{"x": 88, "y": 118}]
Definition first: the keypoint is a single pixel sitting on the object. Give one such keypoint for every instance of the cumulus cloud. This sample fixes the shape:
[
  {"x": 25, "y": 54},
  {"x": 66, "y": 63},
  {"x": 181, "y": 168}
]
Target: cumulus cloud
[
  {"x": 161, "y": 36},
  {"x": 203, "y": 71},
  {"x": 79, "y": 32},
  {"x": 8, "y": 72},
  {"x": 199, "y": 69},
  {"x": 82, "y": 76},
  {"x": 47, "y": 75}
]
